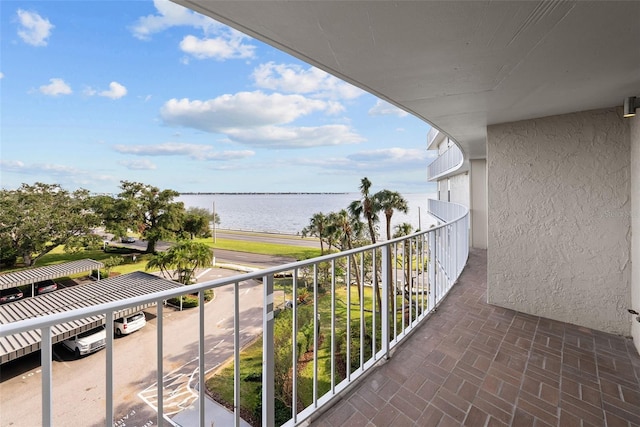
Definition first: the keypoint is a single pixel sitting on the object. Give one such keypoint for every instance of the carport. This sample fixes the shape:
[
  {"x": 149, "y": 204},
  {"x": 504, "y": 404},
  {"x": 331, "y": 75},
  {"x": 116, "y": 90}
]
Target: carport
[
  {"x": 107, "y": 290},
  {"x": 38, "y": 274}
]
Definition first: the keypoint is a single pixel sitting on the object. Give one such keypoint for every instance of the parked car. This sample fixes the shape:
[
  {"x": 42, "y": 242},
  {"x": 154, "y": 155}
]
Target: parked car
[
  {"x": 45, "y": 286},
  {"x": 10, "y": 294},
  {"x": 129, "y": 324},
  {"x": 87, "y": 341},
  {"x": 128, "y": 239}
]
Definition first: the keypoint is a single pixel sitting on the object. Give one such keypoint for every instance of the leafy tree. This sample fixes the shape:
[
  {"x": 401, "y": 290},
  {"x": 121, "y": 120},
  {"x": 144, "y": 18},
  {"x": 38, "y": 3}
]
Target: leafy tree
[
  {"x": 150, "y": 211},
  {"x": 113, "y": 212},
  {"x": 34, "y": 219},
  {"x": 181, "y": 260},
  {"x": 196, "y": 222},
  {"x": 390, "y": 201}
]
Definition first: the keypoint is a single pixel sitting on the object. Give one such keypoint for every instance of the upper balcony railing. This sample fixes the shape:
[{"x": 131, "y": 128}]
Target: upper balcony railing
[
  {"x": 445, "y": 211},
  {"x": 350, "y": 308},
  {"x": 448, "y": 161}
]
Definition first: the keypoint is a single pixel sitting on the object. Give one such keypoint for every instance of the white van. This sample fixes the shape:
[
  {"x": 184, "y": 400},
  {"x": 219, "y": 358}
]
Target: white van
[
  {"x": 129, "y": 324},
  {"x": 87, "y": 341}
]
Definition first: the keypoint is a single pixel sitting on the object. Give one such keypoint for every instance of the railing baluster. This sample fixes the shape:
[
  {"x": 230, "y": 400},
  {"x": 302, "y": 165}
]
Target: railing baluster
[
  {"x": 362, "y": 321},
  {"x": 46, "y": 361},
  {"x": 294, "y": 345},
  {"x": 201, "y": 371},
  {"x": 236, "y": 346},
  {"x": 385, "y": 300},
  {"x": 333, "y": 326},
  {"x": 109, "y": 369},
  {"x": 316, "y": 336},
  {"x": 159, "y": 368},
  {"x": 268, "y": 403}
]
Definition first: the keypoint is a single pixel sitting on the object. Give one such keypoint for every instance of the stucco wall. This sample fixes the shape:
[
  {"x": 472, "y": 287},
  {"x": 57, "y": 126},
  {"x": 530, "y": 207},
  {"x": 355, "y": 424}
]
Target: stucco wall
[
  {"x": 559, "y": 218},
  {"x": 634, "y": 127}
]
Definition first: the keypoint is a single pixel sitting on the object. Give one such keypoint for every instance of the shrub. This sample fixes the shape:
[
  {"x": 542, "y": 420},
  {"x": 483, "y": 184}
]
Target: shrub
[{"x": 191, "y": 300}]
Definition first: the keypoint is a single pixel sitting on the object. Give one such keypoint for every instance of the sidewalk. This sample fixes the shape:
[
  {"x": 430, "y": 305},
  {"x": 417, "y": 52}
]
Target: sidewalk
[{"x": 215, "y": 415}]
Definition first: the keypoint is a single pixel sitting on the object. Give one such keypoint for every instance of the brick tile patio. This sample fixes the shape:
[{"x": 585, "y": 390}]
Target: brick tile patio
[{"x": 474, "y": 364}]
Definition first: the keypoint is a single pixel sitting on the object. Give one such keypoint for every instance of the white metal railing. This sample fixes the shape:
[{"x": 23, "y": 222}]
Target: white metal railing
[
  {"x": 448, "y": 161},
  {"x": 445, "y": 211},
  {"x": 341, "y": 312}
]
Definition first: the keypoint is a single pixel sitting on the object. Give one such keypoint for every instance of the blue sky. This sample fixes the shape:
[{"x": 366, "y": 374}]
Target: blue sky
[{"x": 95, "y": 92}]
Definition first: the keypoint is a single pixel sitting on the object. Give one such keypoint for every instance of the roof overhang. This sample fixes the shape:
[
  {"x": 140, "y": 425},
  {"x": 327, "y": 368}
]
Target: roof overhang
[{"x": 459, "y": 65}]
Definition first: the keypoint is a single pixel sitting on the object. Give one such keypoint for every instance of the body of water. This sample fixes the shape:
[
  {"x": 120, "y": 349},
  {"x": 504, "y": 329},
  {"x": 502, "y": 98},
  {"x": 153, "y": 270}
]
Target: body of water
[{"x": 290, "y": 213}]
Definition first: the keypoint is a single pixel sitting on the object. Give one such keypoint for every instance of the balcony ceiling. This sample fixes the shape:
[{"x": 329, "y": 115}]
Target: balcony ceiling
[{"x": 459, "y": 65}]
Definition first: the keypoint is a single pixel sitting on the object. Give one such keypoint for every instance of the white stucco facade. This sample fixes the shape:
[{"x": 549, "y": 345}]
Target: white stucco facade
[
  {"x": 559, "y": 218},
  {"x": 634, "y": 136}
]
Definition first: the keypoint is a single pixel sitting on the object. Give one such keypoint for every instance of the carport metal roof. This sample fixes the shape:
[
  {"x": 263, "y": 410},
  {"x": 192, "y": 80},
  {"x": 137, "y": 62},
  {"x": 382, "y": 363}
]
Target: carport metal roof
[
  {"x": 37, "y": 274},
  {"x": 103, "y": 291}
]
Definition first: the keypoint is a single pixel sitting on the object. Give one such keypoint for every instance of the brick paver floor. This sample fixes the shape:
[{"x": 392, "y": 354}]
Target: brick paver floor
[{"x": 475, "y": 364}]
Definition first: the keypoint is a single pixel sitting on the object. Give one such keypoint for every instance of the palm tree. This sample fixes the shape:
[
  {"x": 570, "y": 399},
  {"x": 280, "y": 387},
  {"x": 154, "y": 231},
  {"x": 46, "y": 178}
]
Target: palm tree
[
  {"x": 367, "y": 207},
  {"x": 390, "y": 201},
  {"x": 184, "y": 258},
  {"x": 317, "y": 227}
]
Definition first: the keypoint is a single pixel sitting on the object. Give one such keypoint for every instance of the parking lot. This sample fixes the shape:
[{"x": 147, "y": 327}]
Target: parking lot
[{"x": 79, "y": 384}]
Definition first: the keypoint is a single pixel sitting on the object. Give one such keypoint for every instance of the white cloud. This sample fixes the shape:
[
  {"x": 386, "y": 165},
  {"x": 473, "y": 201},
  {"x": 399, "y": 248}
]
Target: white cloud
[
  {"x": 292, "y": 78},
  {"x": 170, "y": 15},
  {"x": 34, "y": 29},
  {"x": 138, "y": 164},
  {"x": 383, "y": 108},
  {"x": 56, "y": 87},
  {"x": 393, "y": 159},
  {"x": 393, "y": 154},
  {"x": 219, "y": 48},
  {"x": 295, "y": 137},
  {"x": 116, "y": 91},
  {"x": 218, "y": 42},
  {"x": 193, "y": 151},
  {"x": 39, "y": 168},
  {"x": 241, "y": 110},
  {"x": 1, "y": 75}
]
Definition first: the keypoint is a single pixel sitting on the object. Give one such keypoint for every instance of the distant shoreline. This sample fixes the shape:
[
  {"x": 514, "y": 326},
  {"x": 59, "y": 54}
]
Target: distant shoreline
[{"x": 252, "y": 193}]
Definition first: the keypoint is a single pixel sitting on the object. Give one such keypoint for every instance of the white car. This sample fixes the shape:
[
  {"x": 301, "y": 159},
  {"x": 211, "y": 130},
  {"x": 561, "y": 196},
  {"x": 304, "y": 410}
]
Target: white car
[
  {"x": 129, "y": 324},
  {"x": 87, "y": 341}
]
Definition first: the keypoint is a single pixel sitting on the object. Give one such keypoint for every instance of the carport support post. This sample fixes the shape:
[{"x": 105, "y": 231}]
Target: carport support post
[
  {"x": 268, "y": 403},
  {"x": 46, "y": 361}
]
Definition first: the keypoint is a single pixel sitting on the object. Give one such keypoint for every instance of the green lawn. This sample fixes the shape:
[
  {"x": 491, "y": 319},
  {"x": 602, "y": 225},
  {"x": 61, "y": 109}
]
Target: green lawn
[
  {"x": 221, "y": 384},
  {"x": 58, "y": 256}
]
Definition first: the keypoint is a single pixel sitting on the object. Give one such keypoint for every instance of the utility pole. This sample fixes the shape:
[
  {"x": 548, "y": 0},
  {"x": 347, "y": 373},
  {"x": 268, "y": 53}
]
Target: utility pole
[{"x": 214, "y": 222}]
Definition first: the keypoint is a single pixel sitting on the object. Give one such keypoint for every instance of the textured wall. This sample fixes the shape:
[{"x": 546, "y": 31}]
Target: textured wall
[
  {"x": 559, "y": 218},
  {"x": 634, "y": 125}
]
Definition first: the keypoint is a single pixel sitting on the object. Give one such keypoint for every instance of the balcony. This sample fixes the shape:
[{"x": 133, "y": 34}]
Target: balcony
[
  {"x": 446, "y": 163},
  {"x": 361, "y": 303},
  {"x": 475, "y": 364}
]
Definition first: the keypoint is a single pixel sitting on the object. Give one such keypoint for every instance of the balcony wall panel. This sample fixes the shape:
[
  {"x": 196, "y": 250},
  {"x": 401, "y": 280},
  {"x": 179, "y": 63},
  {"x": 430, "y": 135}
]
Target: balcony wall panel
[
  {"x": 559, "y": 218},
  {"x": 634, "y": 125}
]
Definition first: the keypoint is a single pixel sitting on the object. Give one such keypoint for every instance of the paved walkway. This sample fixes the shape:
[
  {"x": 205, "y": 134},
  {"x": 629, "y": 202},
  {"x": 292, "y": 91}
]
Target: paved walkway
[{"x": 475, "y": 364}]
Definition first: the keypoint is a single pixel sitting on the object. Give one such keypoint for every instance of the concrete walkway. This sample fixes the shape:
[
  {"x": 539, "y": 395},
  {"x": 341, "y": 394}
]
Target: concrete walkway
[{"x": 215, "y": 415}]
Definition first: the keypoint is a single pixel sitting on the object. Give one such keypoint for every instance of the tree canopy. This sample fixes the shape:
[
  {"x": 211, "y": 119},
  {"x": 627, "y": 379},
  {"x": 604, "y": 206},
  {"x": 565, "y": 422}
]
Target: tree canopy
[
  {"x": 181, "y": 260},
  {"x": 34, "y": 219}
]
